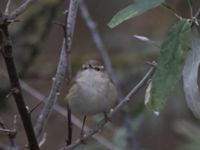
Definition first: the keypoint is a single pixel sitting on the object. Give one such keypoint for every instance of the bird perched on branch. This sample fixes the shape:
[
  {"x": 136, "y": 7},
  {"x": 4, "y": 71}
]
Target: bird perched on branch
[{"x": 92, "y": 92}]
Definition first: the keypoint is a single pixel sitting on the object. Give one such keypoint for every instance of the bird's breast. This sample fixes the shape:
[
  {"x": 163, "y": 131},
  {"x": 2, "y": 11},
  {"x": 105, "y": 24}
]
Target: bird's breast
[{"x": 94, "y": 92}]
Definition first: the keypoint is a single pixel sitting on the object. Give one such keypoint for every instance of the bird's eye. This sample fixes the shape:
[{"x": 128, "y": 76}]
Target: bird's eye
[{"x": 99, "y": 68}]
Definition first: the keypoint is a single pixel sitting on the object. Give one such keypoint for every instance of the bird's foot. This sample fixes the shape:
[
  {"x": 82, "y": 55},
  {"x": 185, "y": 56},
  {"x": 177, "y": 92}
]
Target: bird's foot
[{"x": 82, "y": 139}]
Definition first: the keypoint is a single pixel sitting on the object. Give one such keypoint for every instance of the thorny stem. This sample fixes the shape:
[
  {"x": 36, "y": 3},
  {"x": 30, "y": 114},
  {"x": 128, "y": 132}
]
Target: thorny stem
[{"x": 6, "y": 49}]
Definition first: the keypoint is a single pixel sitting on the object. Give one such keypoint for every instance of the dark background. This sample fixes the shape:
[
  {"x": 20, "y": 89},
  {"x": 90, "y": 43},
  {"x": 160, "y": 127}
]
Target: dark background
[{"x": 37, "y": 41}]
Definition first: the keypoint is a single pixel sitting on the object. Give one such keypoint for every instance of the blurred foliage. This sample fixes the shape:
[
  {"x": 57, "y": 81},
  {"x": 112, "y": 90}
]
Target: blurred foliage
[
  {"x": 29, "y": 37},
  {"x": 190, "y": 131}
]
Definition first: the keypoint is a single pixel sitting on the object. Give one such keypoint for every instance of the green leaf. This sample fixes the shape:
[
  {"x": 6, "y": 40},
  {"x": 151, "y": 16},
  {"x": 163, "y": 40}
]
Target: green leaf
[
  {"x": 170, "y": 65},
  {"x": 139, "y": 7}
]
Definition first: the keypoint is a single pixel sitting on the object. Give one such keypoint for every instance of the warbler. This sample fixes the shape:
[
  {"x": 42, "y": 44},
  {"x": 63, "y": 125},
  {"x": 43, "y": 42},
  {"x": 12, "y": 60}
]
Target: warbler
[{"x": 93, "y": 91}]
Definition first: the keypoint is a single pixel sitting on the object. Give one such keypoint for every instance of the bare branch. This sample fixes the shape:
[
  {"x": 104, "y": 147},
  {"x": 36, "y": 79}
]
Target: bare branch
[
  {"x": 7, "y": 7},
  {"x": 64, "y": 64},
  {"x": 7, "y": 131},
  {"x": 43, "y": 140},
  {"x": 117, "y": 108},
  {"x": 54, "y": 93},
  {"x": 71, "y": 20},
  {"x": 62, "y": 111},
  {"x": 11, "y": 134},
  {"x": 97, "y": 39},
  {"x": 194, "y": 18},
  {"x": 6, "y": 48},
  {"x": 69, "y": 124},
  {"x": 197, "y": 13},
  {"x": 21, "y": 9},
  {"x": 69, "y": 31}
]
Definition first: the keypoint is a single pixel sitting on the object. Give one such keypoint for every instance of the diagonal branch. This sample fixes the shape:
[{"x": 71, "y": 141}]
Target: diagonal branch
[
  {"x": 6, "y": 12},
  {"x": 21, "y": 9},
  {"x": 197, "y": 13},
  {"x": 97, "y": 40},
  {"x": 116, "y": 109},
  {"x": 54, "y": 93},
  {"x": 64, "y": 64},
  {"x": 62, "y": 111}
]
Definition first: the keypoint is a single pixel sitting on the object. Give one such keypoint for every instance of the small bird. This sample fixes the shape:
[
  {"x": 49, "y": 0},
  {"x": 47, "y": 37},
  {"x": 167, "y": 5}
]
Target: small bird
[{"x": 92, "y": 92}]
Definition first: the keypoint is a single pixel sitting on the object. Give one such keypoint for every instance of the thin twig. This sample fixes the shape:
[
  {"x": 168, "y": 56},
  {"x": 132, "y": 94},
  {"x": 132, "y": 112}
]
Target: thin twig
[
  {"x": 61, "y": 70},
  {"x": 101, "y": 124},
  {"x": 14, "y": 80},
  {"x": 11, "y": 134},
  {"x": 43, "y": 140},
  {"x": 194, "y": 19},
  {"x": 68, "y": 35},
  {"x": 54, "y": 93},
  {"x": 62, "y": 111},
  {"x": 7, "y": 131},
  {"x": 172, "y": 10},
  {"x": 69, "y": 124},
  {"x": 6, "y": 12},
  {"x": 190, "y": 7},
  {"x": 71, "y": 20},
  {"x": 197, "y": 13},
  {"x": 35, "y": 107},
  {"x": 98, "y": 41},
  {"x": 21, "y": 9}
]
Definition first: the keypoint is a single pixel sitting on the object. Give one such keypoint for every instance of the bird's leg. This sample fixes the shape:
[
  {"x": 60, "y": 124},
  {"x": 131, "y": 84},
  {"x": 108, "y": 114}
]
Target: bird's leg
[{"x": 82, "y": 129}]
